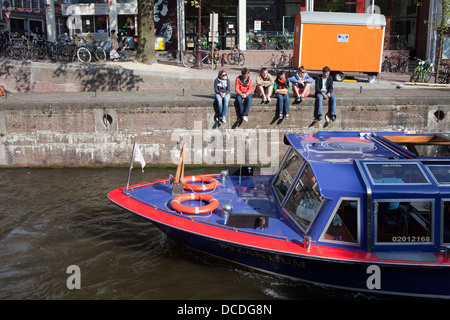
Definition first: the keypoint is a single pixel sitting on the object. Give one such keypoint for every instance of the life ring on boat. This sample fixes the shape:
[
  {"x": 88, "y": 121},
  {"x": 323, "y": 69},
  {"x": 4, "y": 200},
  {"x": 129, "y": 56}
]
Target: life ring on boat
[
  {"x": 211, "y": 206},
  {"x": 211, "y": 183}
]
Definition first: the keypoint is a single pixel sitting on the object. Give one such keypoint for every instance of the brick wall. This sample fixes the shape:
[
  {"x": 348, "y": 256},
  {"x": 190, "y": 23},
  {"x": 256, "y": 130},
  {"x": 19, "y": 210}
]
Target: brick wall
[{"x": 104, "y": 135}]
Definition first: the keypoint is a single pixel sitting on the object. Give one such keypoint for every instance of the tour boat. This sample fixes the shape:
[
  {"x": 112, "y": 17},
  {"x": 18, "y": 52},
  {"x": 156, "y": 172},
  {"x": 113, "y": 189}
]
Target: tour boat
[{"x": 367, "y": 212}]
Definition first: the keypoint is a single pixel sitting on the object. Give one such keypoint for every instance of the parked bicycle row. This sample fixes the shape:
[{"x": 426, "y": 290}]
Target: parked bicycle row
[
  {"x": 31, "y": 46},
  {"x": 234, "y": 57}
]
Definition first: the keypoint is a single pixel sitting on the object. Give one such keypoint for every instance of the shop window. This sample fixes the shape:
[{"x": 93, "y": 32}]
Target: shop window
[
  {"x": 88, "y": 24},
  {"x": 343, "y": 225},
  {"x": 101, "y": 25},
  {"x": 335, "y": 6},
  {"x": 305, "y": 200},
  {"x": 126, "y": 25},
  {"x": 404, "y": 222}
]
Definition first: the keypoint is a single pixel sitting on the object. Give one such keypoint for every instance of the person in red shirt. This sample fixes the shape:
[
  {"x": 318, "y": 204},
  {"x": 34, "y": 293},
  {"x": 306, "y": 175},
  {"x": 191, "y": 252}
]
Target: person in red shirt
[{"x": 244, "y": 89}]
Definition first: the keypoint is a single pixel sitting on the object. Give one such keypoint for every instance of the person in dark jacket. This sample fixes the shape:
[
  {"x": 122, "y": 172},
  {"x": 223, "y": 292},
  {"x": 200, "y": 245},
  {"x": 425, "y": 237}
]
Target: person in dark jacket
[
  {"x": 324, "y": 91},
  {"x": 222, "y": 94}
]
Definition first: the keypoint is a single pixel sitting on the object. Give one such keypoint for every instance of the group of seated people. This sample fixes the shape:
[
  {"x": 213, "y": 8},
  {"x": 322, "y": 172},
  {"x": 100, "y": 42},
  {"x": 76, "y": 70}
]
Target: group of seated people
[{"x": 267, "y": 86}]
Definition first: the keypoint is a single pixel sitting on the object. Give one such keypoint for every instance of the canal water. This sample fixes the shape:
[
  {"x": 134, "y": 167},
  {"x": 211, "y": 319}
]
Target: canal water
[{"x": 51, "y": 219}]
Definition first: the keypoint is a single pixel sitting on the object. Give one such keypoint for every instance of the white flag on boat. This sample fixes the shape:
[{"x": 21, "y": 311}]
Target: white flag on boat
[{"x": 138, "y": 157}]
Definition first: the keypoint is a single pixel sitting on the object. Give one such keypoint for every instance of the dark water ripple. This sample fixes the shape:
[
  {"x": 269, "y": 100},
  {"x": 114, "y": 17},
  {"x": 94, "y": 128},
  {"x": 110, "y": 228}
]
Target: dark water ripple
[{"x": 53, "y": 218}]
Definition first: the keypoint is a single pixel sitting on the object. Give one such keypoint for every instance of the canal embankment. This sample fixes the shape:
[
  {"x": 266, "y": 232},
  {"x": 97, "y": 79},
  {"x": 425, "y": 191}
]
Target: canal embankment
[{"x": 90, "y": 115}]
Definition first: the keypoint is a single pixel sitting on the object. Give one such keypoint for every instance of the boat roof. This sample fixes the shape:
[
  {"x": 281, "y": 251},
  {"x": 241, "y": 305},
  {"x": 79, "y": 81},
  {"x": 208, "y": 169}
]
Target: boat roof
[
  {"x": 334, "y": 158},
  {"x": 343, "y": 18}
]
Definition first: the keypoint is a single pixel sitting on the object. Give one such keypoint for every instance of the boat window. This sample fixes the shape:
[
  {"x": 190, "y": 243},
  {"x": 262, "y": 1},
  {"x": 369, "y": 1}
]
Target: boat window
[
  {"x": 343, "y": 225},
  {"x": 441, "y": 173},
  {"x": 287, "y": 174},
  {"x": 446, "y": 222},
  {"x": 404, "y": 222},
  {"x": 305, "y": 200},
  {"x": 396, "y": 173}
]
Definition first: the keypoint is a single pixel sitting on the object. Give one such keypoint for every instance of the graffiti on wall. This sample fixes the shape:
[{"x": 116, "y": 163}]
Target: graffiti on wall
[{"x": 166, "y": 23}]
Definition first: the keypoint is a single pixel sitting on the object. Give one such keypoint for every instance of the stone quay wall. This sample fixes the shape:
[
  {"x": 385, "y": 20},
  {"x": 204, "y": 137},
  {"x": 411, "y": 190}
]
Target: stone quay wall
[
  {"x": 103, "y": 135},
  {"x": 90, "y": 115}
]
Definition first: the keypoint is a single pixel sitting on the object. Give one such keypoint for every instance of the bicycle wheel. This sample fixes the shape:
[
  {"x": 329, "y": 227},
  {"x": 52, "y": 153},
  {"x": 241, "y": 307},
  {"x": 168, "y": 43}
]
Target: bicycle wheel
[
  {"x": 401, "y": 44},
  {"x": 189, "y": 60},
  {"x": 426, "y": 77},
  {"x": 231, "y": 58},
  {"x": 84, "y": 55},
  {"x": 100, "y": 54},
  {"x": 241, "y": 59},
  {"x": 212, "y": 63}
]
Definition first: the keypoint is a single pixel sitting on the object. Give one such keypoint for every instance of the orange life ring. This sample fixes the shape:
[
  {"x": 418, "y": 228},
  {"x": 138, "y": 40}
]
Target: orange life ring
[
  {"x": 211, "y": 206},
  {"x": 211, "y": 183}
]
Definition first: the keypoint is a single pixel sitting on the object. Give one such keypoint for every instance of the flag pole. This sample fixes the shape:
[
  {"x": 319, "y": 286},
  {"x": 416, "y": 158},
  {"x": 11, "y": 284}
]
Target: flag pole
[{"x": 131, "y": 166}]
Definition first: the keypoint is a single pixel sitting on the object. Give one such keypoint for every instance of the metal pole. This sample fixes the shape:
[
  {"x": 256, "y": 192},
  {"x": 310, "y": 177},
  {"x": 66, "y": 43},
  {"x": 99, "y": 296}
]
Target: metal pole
[
  {"x": 212, "y": 38},
  {"x": 199, "y": 35},
  {"x": 131, "y": 167}
]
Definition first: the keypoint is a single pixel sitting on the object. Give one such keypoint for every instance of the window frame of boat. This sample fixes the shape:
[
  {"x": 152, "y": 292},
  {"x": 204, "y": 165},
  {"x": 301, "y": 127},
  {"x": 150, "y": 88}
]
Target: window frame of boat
[
  {"x": 392, "y": 164},
  {"x": 431, "y": 173},
  {"x": 410, "y": 243},
  {"x": 289, "y": 194},
  {"x": 442, "y": 207},
  {"x": 358, "y": 217},
  {"x": 285, "y": 159}
]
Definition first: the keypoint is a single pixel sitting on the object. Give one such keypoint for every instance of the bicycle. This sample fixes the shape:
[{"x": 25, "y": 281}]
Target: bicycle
[
  {"x": 17, "y": 47},
  {"x": 89, "y": 48},
  {"x": 236, "y": 57},
  {"x": 286, "y": 42},
  {"x": 387, "y": 65},
  {"x": 190, "y": 58},
  {"x": 422, "y": 73},
  {"x": 279, "y": 64},
  {"x": 400, "y": 42},
  {"x": 402, "y": 64}
]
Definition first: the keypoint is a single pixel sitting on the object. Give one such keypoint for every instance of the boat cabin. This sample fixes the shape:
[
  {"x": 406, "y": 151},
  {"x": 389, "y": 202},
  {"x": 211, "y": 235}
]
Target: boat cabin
[{"x": 374, "y": 192}]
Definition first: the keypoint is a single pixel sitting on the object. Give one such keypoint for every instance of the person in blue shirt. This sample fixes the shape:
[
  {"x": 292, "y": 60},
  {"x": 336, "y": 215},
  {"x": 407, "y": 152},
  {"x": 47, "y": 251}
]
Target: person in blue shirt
[{"x": 301, "y": 84}]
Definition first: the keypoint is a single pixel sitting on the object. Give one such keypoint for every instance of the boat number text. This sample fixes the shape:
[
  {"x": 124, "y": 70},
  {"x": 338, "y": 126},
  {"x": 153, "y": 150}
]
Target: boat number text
[{"x": 374, "y": 280}]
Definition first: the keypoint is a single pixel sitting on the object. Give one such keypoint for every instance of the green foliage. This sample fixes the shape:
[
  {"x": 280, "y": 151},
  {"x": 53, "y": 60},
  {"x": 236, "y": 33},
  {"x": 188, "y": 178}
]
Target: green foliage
[{"x": 193, "y": 3}]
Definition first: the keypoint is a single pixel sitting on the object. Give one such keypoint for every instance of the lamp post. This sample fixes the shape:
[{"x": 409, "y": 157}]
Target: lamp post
[{"x": 199, "y": 35}]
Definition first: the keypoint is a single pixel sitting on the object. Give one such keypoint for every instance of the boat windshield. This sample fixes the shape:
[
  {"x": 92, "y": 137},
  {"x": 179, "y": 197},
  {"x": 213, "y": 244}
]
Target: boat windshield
[
  {"x": 287, "y": 174},
  {"x": 305, "y": 200}
]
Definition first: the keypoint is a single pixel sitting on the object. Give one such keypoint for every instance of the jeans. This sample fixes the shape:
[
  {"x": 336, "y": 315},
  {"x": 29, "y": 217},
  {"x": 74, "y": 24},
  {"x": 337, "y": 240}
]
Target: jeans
[
  {"x": 244, "y": 109},
  {"x": 283, "y": 103},
  {"x": 222, "y": 104},
  {"x": 331, "y": 104}
]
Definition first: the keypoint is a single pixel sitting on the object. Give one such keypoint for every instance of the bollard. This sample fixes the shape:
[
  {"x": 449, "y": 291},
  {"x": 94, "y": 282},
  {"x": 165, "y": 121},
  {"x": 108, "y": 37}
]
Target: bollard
[{"x": 223, "y": 59}]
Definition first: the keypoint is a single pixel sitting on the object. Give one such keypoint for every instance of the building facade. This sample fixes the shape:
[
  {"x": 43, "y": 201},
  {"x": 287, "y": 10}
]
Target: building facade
[{"x": 239, "y": 21}]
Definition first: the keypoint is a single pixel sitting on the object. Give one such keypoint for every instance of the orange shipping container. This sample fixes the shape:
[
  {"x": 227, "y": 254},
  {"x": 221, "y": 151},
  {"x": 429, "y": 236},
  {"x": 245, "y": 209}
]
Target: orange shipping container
[{"x": 345, "y": 42}]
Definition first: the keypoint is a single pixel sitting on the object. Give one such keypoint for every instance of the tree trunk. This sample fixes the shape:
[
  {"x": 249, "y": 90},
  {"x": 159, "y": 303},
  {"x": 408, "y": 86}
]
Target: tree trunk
[{"x": 146, "y": 28}]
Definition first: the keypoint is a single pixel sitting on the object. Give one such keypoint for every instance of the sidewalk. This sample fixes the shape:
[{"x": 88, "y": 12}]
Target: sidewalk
[{"x": 389, "y": 88}]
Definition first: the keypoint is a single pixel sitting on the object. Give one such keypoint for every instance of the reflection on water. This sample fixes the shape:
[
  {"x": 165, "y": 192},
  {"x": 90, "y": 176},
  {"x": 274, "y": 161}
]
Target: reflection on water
[{"x": 53, "y": 218}]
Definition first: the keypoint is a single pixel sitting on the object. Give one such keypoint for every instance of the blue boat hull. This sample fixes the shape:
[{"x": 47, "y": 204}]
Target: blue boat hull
[{"x": 393, "y": 279}]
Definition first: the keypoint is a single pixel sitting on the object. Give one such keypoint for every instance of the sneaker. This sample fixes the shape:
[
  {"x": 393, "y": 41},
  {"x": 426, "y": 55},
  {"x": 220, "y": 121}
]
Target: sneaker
[
  {"x": 245, "y": 118},
  {"x": 126, "y": 58},
  {"x": 287, "y": 115},
  {"x": 224, "y": 120},
  {"x": 333, "y": 117},
  {"x": 280, "y": 116},
  {"x": 318, "y": 117},
  {"x": 301, "y": 99}
]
